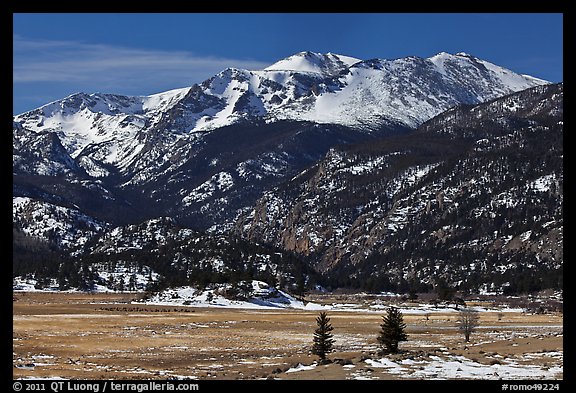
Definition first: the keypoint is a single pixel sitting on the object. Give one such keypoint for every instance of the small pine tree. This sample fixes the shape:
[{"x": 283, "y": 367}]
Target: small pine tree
[
  {"x": 209, "y": 297},
  {"x": 392, "y": 330},
  {"x": 132, "y": 282},
  {"x": 322, "y": 337}
]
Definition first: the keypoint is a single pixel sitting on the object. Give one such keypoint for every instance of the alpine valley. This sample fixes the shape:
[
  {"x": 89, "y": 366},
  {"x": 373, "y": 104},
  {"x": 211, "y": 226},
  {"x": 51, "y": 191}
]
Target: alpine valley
[{"x": 320, "y": 170}]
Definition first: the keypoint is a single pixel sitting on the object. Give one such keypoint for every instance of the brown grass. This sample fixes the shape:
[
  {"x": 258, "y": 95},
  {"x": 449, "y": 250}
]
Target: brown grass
[{"x": 103, "y": 336}]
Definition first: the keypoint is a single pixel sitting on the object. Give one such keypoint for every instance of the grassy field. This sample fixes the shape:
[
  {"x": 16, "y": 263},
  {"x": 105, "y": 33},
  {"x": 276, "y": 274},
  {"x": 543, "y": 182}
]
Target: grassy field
[{"x": 106, "y": 336}]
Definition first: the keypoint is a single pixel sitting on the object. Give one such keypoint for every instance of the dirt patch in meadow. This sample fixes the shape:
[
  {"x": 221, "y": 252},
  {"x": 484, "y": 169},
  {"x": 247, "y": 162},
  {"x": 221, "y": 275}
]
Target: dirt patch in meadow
[{"x": 105, "y": 336}]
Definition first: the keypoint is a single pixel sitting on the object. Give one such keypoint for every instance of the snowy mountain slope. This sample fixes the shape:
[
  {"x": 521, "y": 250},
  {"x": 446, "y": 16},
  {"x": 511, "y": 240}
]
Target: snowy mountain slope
[
  {"x": 184, "y": 257},
  {"x": 112, "y": 122},
  {"x": 460, "y": 199},
  {"x": 235, "y": 164},
  {"x": 204, "y": 182},
  {"x": 40, "y": 153},
  {"x": 129, "y": 132},
  {"x": 163, "y": 154},
  {"x": 497, "y": 116},
  {"x": 44, "y": 171},
  {"x": 414, "y": 89},
  {"x": 66, "y": 228},
  {"x": 325, "y": 88},
  {"x": 328, "y": 88}
]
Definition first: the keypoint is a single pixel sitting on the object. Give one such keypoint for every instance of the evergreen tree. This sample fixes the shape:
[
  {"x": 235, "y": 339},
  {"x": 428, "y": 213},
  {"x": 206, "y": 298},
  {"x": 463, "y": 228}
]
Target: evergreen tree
[
  {"x": 62, "y": 278},
  {"x": 245, "y": 289},
  {"x": 121, "y": 284},
  {"x": 209, "y": 297},
  {"x": 300, "y": 287},
  {"x": 443, "y": 290},
  {"x": 111, "y": 284},
  {"x": 392, "y": 330},
  {"x": 132, "y": 282},
  {"x": 322, "y": 337},
  {"x": 86, "y": 278}
]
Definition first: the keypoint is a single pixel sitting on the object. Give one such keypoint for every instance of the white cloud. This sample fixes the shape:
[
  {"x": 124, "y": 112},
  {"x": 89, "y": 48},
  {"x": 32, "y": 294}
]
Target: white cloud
[{"x": 113, "y": 67}]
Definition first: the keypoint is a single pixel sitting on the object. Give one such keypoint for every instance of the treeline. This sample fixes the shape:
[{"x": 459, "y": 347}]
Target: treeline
[
  {"x": 374, "y": 276},
  {"x": 32, "y": 256},
  {"x": 206, "y": 260},
  {"x": 198, "y": 260}
]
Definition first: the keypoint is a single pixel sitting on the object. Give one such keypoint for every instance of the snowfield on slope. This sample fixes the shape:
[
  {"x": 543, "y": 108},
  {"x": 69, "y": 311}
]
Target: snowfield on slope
[{"x": 323, "y": 88}]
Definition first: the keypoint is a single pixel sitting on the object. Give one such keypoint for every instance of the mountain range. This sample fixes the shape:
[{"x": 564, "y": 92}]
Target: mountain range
[{"x": 332, "y": 159}]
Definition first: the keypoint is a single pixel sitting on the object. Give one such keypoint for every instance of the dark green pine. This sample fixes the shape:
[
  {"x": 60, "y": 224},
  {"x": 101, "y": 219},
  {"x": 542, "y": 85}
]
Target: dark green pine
[
  {"x": 392, "y": 330},
  {"x": 323, "y": 340}
]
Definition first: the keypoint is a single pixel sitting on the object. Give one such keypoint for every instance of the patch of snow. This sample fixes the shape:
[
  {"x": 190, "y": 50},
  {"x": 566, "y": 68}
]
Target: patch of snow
[
  {"x": 220, "y": 182},
  {"x": 525, "y": 236},
  {"x": 460, "y": 367},
  {"x": 262, "y": 296},
  {"x": 543, "y": 183},
  {"x": 301, "y": 367}
]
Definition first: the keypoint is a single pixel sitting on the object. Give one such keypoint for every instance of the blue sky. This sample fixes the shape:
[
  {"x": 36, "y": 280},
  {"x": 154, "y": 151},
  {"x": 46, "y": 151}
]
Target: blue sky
[{"x": 56, "y": 55}]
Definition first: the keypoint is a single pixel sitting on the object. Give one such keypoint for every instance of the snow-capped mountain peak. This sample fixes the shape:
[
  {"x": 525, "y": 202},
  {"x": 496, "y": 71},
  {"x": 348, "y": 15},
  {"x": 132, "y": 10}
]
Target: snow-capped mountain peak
[
  {"x": 110, "y": 121},
  {"x": 326, "y": 88},
  {"x": 329, "y": 63},
  {"x": 323, "y": 88},
  {"x": 446, "y": 62}
]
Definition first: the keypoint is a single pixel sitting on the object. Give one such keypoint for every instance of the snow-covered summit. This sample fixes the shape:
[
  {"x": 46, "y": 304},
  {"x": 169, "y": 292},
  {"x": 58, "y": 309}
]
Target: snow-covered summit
[
  {"x": 450, "y": 65},
  {"x": 109, "y": 132},
  {"x": 112, "y": 122},
  {"x": 329, "y": 63},
  {"x": 324, "y": 88}
]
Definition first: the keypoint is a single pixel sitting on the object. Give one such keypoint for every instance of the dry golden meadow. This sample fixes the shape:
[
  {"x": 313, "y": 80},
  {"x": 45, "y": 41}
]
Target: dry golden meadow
[{"x": 106, "y": 336}]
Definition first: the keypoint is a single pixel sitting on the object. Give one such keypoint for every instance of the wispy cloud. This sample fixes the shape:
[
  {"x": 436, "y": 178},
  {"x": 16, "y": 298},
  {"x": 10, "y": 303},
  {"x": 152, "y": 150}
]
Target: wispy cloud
[{"x": 113, "y": 67}]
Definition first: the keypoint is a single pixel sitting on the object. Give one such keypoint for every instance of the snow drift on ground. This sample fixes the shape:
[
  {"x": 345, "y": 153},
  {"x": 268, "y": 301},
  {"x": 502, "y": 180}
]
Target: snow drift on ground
[
  {"x": 460, "y": 367},
  {"x": 263, "y": 296}
]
